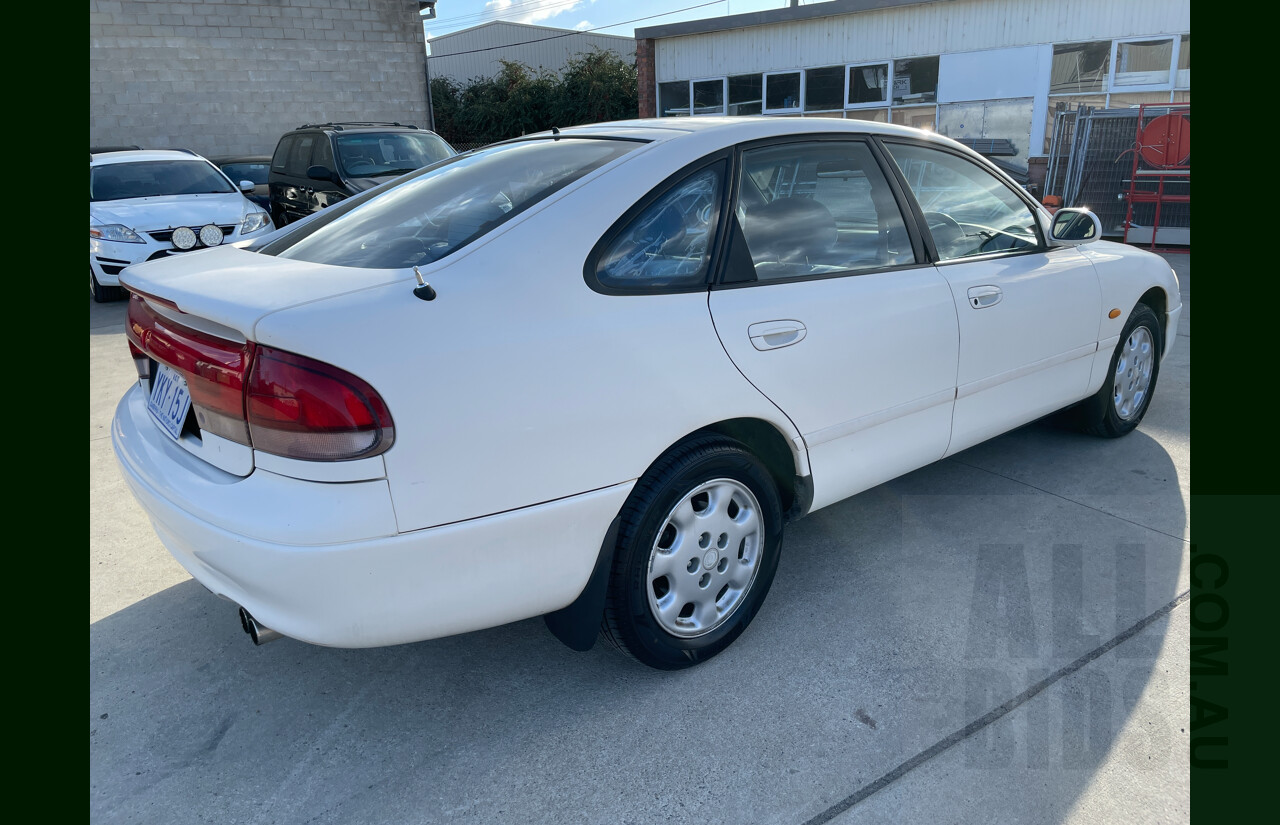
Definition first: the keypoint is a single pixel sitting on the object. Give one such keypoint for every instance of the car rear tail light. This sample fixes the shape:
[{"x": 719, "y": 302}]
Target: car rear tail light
[
  {"x": 268, "y": 399},
  {"x": 213, "y": 367},
  {"x": 301, "y": 408}
]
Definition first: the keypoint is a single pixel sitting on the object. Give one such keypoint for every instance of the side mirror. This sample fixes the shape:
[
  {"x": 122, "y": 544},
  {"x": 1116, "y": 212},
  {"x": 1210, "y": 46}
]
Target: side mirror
[
  {"x": 246, "y": 186},
  {"x": 319, "y": 173},
  {"x": 1076, "y": 226}
]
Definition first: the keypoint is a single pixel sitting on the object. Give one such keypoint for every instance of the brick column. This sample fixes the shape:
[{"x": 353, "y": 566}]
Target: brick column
[{"x": 644, "y": 72}]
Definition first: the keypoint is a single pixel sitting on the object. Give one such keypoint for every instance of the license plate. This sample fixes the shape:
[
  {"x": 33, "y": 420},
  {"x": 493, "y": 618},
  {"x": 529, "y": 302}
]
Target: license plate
[{"x": 169, "y": 400}]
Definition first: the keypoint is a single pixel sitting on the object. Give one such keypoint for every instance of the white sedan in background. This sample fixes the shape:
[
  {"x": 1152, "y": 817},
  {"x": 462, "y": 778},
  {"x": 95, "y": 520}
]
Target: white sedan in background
[
  {"x": 593, "y": 374},
  {"x": 150, "y": 204}
]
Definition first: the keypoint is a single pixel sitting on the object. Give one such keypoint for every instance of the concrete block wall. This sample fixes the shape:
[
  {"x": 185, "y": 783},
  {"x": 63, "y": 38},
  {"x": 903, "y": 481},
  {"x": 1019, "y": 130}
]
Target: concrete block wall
[{"x": 232, "y": 76}]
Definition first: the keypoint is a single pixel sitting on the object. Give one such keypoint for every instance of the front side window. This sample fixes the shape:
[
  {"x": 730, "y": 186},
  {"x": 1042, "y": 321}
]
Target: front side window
[
  {"x": 371, "y": 155},
  {"x": 427, "y": 216},
  {"x": 153, "y": 178},
  {"x": 817, "y": 208},
  {"x": 668, "y": 244},
  {"x": 300, "y": 156},
  {"x": 969, "y": 210}
]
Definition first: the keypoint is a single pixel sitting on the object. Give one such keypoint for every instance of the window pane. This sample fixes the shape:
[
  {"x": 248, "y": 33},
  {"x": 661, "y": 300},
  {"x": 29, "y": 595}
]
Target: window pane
[
  {"x": 917, "y": 117},
  {"x": 782, "y": 91},
  {"x": 300, "y": 157},
  {"x": 915, "y": 80},
  {"x": 869, "y": 84},
  {"x": 669, "y": 243},
  {"x": 874, "y": 115},
  {"x": 422, "y": 218},
  {"x": 1184, "y": 62},
  {"x": 1080, "y": 67},
  {"x": 818, "y": 208},
  {"x": 823, "y": 89},
  {"x": 673, "y": 99},
  {"x": 371, "y": 155},
  {"x": 969, "y": 210},
  {"x": 745, "y": 94},
  {"x": 279, "y": 159},
  {"x": 708, "y": 97},
  {"x": 323, "y": 155},
  {"x": 1145, "y": 62}
]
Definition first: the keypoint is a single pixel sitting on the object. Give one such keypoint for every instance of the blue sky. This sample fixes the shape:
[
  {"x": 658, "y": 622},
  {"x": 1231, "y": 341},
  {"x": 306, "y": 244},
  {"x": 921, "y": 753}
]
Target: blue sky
[{"x": 607, "y": 16}]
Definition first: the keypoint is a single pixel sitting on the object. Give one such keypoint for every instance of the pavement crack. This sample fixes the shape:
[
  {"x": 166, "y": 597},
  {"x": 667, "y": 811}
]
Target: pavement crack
[
  {"x": 995, "y": 714},
  {"x": 1071, "y": 500}
]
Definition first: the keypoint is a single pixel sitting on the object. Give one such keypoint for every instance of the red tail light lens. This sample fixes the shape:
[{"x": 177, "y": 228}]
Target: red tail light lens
[
  {"x": 214, "y": 367},
  {"x": 301, "y": 408},
  {"x": 265, "y": 398}
]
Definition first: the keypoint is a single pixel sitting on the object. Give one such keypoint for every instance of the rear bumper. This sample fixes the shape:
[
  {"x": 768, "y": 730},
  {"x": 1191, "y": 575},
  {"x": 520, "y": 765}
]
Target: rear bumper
[{"x": 323, "y": 563}]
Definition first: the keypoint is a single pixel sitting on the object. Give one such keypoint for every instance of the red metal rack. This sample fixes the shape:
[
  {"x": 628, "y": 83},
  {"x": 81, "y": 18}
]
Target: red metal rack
[{"x": 1161, "y": 154}]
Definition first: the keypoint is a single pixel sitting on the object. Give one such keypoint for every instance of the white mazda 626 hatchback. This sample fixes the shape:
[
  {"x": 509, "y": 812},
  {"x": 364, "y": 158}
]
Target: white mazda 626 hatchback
[{"x": 592, "y": 374}]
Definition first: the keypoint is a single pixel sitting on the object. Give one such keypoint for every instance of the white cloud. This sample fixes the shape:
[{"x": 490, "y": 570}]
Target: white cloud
[
  {"x": 583, "y": 26},
  {"x": 530, "y": 11}
]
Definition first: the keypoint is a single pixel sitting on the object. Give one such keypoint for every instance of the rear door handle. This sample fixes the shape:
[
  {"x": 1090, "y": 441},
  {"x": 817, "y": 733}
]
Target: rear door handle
[
  {"x": 776, "y": 334},
  {"x": 981, "y": 297}
]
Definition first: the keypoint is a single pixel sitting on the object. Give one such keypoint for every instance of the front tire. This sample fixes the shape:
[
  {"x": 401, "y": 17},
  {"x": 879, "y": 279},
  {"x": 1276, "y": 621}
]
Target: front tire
[
  {"x": 103, "y": 294},
  {"x": 698, "y": 545},
  {"x": 1125, "y": 395}
]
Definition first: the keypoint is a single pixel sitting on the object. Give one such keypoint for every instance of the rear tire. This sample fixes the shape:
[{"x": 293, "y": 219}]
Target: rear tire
[
  {"x": 698, "y": 545},
  {"x": 1125, "y": 395}
]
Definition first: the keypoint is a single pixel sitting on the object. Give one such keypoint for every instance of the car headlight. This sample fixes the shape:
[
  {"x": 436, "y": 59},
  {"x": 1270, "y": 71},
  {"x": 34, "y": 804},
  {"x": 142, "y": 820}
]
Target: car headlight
[
  {"x": 254, "y": 221},
  {"x": 114, "y": 232}
]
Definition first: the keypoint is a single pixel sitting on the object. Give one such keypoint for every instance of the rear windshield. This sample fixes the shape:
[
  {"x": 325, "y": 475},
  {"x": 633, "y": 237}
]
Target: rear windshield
[
  {"x": 371, "y": 155},
  {"x": 424, "y": 217},
  {"x": 150, "y": 178}
]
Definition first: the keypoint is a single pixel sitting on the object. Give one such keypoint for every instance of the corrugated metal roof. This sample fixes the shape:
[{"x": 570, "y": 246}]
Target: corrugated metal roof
[{"x": 477, "y": 51}]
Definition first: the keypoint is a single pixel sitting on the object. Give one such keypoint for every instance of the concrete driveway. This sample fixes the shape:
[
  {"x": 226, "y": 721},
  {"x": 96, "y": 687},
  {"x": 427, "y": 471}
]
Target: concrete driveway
[{"x": 998, "y": 637}]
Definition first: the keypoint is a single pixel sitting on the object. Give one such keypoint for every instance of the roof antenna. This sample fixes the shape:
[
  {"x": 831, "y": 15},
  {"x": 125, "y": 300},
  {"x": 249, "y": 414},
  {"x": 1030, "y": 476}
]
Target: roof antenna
[
  {"x": 423, "y": 290},
  {"x": 555, "y": 130}
]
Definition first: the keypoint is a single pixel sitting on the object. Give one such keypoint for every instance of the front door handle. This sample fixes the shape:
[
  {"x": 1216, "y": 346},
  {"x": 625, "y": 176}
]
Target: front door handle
[
  {"x": 981, "y": 297},
  {"x": 776, "y": 334}
]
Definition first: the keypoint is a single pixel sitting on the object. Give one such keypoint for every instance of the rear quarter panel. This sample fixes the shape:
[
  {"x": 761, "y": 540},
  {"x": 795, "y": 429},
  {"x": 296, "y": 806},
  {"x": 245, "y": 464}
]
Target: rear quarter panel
[{"x": 519, "y": 384}]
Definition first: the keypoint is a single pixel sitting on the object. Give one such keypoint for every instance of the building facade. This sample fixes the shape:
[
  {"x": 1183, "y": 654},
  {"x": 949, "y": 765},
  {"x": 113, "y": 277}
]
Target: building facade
[
  {"x": 478, "y": 52},
  {"x": 224, "y": 78},
  {"x": 995, "y": 69}
]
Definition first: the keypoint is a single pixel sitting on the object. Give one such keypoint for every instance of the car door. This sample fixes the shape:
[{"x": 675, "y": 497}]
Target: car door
[
  {"x": 1029, "y": 314},
  {"x": 325, "y": 193},
  {"x": 829, "y": 307}
]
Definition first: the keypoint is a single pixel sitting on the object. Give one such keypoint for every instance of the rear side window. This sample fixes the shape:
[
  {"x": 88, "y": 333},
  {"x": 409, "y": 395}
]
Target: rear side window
[
  {"x": 300, "y": 156},
  {"x": 819, "y": 208},
  {"x": 424, "y": 217},
  {"x": 668, "y": 243},
  {"x": 283, "y": 149}
]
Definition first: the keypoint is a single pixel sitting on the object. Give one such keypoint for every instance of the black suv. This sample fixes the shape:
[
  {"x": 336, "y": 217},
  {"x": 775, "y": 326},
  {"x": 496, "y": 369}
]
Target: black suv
[{"x": 317, "y": 165}]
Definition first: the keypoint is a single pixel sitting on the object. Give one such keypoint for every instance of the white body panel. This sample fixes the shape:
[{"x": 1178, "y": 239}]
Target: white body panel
[
  {"x": 1030, "y": 353},
  {"x": 526, "y": 404},
  {"x": 880, "y": 348}
]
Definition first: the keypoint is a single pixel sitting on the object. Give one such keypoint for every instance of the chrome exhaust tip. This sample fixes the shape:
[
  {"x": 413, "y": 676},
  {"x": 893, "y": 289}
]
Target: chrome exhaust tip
[{"x": 261, "y": 634}]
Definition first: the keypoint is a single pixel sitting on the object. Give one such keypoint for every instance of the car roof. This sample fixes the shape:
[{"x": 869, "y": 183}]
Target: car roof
[
  {"x": 738, "y": 129},
  {"x": 137, "y": 155}
]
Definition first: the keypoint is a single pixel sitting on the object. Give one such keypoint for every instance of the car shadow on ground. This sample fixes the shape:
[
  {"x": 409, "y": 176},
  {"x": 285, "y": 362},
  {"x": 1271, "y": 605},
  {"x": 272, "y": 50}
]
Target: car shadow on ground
[{"x": 897, "y": 618}]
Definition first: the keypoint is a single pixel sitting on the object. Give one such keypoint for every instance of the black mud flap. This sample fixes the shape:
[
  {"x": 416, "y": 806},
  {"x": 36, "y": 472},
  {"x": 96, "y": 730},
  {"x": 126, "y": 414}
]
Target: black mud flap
[{"x": 578, "y": 625}]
